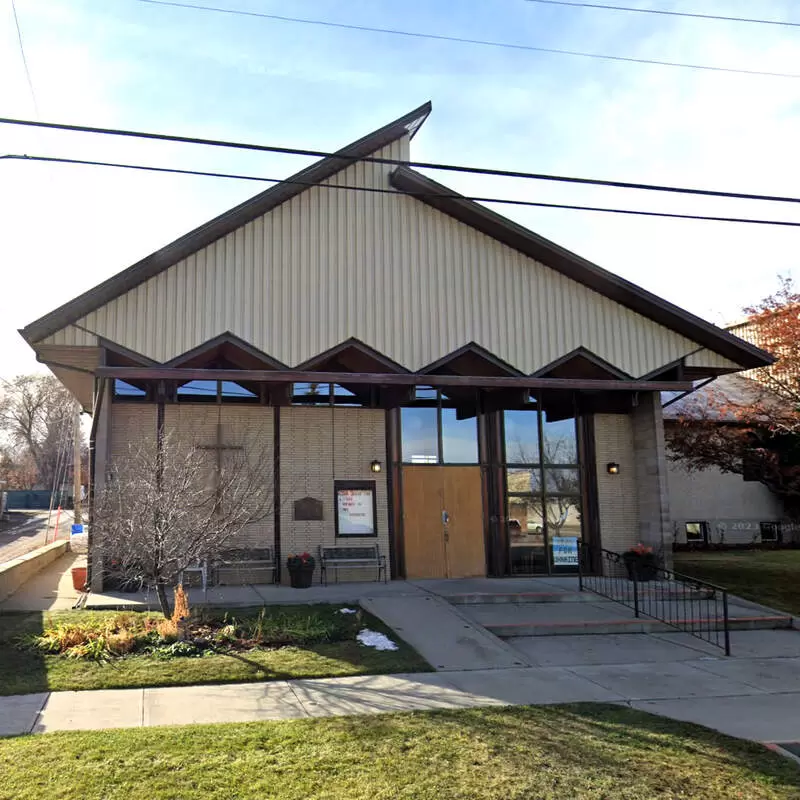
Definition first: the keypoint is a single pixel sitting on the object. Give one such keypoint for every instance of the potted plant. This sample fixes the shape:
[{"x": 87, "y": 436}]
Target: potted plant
[
  {"x": 641, "y": 563},
  {"x": 301, "y": 570}
]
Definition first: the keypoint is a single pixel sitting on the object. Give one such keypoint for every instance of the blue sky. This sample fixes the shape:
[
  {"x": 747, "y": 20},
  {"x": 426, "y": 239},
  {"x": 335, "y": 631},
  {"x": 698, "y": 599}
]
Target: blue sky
[{"x": 124, "y": 63}]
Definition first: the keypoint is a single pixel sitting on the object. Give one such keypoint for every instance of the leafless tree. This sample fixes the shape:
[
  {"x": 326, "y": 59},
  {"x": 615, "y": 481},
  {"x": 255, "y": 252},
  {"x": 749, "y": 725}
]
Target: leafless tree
[
  {"x": 36, "y": 414},
  {"x": 168, "y": 505}
]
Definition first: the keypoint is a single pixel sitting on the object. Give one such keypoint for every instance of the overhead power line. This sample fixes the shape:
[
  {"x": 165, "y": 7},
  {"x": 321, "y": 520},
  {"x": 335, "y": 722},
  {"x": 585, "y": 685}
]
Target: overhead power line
[
  {"x": 395, "y": 193},
  {"x": 663, "y": 12},
  {"x": 502, "y": 173},
  {"x": 465, "y": 40}
]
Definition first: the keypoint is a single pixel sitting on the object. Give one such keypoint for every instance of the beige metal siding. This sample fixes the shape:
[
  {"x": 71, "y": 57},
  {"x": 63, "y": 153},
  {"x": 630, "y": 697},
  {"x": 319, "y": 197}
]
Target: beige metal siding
[
  {"x": 708, "y": 358},
  {"x": 385, "y": 268}
]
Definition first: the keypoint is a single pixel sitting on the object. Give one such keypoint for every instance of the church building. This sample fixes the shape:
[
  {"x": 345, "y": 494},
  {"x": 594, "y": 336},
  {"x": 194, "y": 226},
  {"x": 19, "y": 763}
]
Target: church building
[{"x": 427, "y": 375}]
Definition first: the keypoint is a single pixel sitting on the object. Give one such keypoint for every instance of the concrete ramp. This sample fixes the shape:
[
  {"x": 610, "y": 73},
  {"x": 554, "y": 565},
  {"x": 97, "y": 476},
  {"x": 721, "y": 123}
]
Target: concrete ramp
[{"x": 442, "y": 635}]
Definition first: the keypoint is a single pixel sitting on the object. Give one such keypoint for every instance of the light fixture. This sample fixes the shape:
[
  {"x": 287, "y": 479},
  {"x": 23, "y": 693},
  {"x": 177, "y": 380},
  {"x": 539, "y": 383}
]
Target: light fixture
[
  {"x": 376, "y": 466},
  {"x": 612, "y": 468}
]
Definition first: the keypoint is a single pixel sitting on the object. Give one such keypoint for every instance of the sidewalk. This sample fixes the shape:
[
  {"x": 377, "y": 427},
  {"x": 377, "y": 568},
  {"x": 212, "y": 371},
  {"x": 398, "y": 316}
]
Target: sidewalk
[{"x": 753, "y": 698}]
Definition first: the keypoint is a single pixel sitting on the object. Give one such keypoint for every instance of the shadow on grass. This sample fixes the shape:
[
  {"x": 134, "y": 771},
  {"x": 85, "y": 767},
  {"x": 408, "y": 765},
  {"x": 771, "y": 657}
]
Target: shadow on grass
[{"x": 23, "y": 670}]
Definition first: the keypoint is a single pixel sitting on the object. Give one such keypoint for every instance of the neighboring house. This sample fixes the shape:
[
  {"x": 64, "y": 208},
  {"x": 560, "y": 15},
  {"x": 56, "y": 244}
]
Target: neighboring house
[
  {"x": 474, "y": 381},
  {"x": 715, "y": 507}
]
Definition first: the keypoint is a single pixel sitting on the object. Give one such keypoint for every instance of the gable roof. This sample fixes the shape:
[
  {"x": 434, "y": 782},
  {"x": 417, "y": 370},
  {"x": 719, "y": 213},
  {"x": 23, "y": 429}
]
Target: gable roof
[
  {"x": 433, "y": 194},
  {"x": 167, "y": 256},
  {"x": 578, "y": 269}
]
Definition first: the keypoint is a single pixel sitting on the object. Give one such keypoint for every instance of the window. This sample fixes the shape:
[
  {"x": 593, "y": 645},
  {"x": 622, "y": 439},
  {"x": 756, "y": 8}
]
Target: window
[
  {"x": 432, "y": 432},
  {"x": 696, "y": 532},
  {"x": 420, "y": 435},
  {"x": 206, "y": 391},
  {"x": 126, "y": 390},
  {"x": 770, "y": 531},
  {"x": 543, "y": 490},
  {"x": 459, "y": 438},
  {"x": 522, "y": 437}
]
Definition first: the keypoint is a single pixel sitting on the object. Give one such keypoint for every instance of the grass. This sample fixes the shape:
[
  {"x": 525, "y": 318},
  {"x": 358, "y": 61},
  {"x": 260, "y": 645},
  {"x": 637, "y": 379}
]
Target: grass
[
  {"x": 576, "y": 752},
  {"x": 25, "y": 670},
  {"x": 770, "y": 577}
]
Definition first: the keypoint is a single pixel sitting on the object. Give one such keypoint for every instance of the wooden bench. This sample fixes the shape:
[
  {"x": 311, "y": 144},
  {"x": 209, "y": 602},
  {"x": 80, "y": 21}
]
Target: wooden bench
[
  {"x": 355, "y": 557},
  {"x": 246, "y": 558}
]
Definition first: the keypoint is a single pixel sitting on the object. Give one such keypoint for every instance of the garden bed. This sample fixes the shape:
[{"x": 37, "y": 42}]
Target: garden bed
[{"x": 103, "y": 650}]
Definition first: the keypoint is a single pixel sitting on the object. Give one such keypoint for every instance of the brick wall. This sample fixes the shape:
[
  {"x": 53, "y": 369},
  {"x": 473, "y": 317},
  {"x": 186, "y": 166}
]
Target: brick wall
[
  {"x": 616, "y": 494},
  {"x": 650, "y": 464},
  {"x": 318, "y": 446},
  {"x": 248, "y": 427}
]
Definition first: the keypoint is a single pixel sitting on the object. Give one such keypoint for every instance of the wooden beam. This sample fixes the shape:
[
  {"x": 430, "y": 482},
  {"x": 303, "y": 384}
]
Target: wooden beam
[{"x": 386, "y": 379}]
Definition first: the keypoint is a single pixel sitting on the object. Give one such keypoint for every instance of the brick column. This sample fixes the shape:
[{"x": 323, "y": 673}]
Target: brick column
[{"x": 650, "y": 467}]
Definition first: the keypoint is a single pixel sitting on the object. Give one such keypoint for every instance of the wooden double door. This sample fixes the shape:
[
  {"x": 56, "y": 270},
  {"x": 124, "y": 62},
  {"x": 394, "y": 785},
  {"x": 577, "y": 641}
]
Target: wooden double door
[{"x": 443, "y": 528}]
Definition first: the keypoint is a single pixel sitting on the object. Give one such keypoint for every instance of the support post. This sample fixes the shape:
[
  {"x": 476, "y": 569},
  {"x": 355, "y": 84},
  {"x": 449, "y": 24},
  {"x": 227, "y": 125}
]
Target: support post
[{"x": 76, "y": 470}]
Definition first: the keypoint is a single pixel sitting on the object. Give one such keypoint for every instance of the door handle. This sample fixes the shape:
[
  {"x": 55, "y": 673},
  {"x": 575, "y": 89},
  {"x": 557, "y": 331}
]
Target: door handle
[{"x": 445, "y": 518}]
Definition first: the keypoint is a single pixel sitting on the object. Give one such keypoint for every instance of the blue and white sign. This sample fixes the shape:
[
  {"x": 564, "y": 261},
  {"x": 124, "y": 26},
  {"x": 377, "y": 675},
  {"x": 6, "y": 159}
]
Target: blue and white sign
[
  {"x": 77, "y": 530},
  {"x": 565, "y": 551}
]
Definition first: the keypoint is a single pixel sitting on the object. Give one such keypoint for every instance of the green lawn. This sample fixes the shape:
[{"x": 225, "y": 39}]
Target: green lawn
[
  {"x": 575, "y": 752},
  {"x": 771, "y": 577},
  {"x": 24, "y": 670}
]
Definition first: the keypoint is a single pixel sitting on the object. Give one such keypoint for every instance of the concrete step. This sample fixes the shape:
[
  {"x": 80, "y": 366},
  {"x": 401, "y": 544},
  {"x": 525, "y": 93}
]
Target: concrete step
[
  {"x": 604, "y": 617},
  {"x": 640, "y": 625},
  {"x": 497, "y": 598},
  {"x": 524, "y": 598}
]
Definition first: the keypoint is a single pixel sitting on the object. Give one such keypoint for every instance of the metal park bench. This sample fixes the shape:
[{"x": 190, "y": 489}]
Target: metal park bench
[
  {"x": 245, "y": 558},
  {"x": 358, "y": 557}
]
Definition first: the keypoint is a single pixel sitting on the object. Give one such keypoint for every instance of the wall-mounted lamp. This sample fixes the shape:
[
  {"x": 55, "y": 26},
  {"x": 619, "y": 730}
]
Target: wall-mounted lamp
[
  {"x": 612, "y": 468},
  {"x": 376, "y": 466}
]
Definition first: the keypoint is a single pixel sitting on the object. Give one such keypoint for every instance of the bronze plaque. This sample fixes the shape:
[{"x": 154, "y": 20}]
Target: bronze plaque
[{"x": 308, "y": 509}]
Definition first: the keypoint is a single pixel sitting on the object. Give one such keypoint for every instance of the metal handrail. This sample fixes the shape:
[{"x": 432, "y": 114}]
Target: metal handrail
[{"x": 680, "y": 601}]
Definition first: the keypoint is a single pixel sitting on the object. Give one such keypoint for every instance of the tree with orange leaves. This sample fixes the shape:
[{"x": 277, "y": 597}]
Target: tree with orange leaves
[{"x": 750, "y": 424}]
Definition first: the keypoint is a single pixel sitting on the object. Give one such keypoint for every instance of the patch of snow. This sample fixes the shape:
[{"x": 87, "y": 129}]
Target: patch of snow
[
  {"x": 377, "y": 640},
  {"x": 347, "y": 611}
]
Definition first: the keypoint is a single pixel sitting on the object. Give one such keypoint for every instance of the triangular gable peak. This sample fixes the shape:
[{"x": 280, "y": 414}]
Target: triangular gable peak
[
  {"x": 410, "y": 271},
  {"x": 581, "y": 363}
]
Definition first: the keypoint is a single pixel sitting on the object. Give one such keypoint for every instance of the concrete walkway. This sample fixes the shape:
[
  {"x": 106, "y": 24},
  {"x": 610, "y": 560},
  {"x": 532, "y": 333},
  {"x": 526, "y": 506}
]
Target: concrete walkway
[
  {"x": 50, "y": 589},
  {"x": 754, "y": 698}
]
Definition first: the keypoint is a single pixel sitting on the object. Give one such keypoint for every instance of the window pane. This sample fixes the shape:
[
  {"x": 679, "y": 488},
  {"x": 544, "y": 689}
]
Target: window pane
[
  {"x": 524, "y": 481},
  {"x": 563, "y": 516},
  {"x": 459, "y": 438},
  {"x": 522, "y": 437},
  {"x": 311, "y": 394},
  {"x": 526, "y": 536},
  {"x": 560, "y": 441},
  {"x": 204, "y": 389},
  {"x": 419, "y": 435},
  {"x": 122, "y": 389},
  {"x": 425, "y": 393},
  {"x": 562, "y": 481},
  {"x": 695, "y": 531}
]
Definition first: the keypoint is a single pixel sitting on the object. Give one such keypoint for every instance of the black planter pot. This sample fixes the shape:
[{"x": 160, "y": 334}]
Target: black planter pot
[
  {"x": 641, "y": 568},
  {"x": 301, "y": 577}
]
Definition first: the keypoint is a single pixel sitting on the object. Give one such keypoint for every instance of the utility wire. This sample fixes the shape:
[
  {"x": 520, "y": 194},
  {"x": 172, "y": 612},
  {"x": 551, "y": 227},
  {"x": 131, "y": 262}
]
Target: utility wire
[
  {"x": 691, "y": 15},
  {"x": 503, "y": 173},
  {"x": 464, "y": 40},
  {"x": 24, "y": 60},
  {"x": 419, "y": 195}
]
